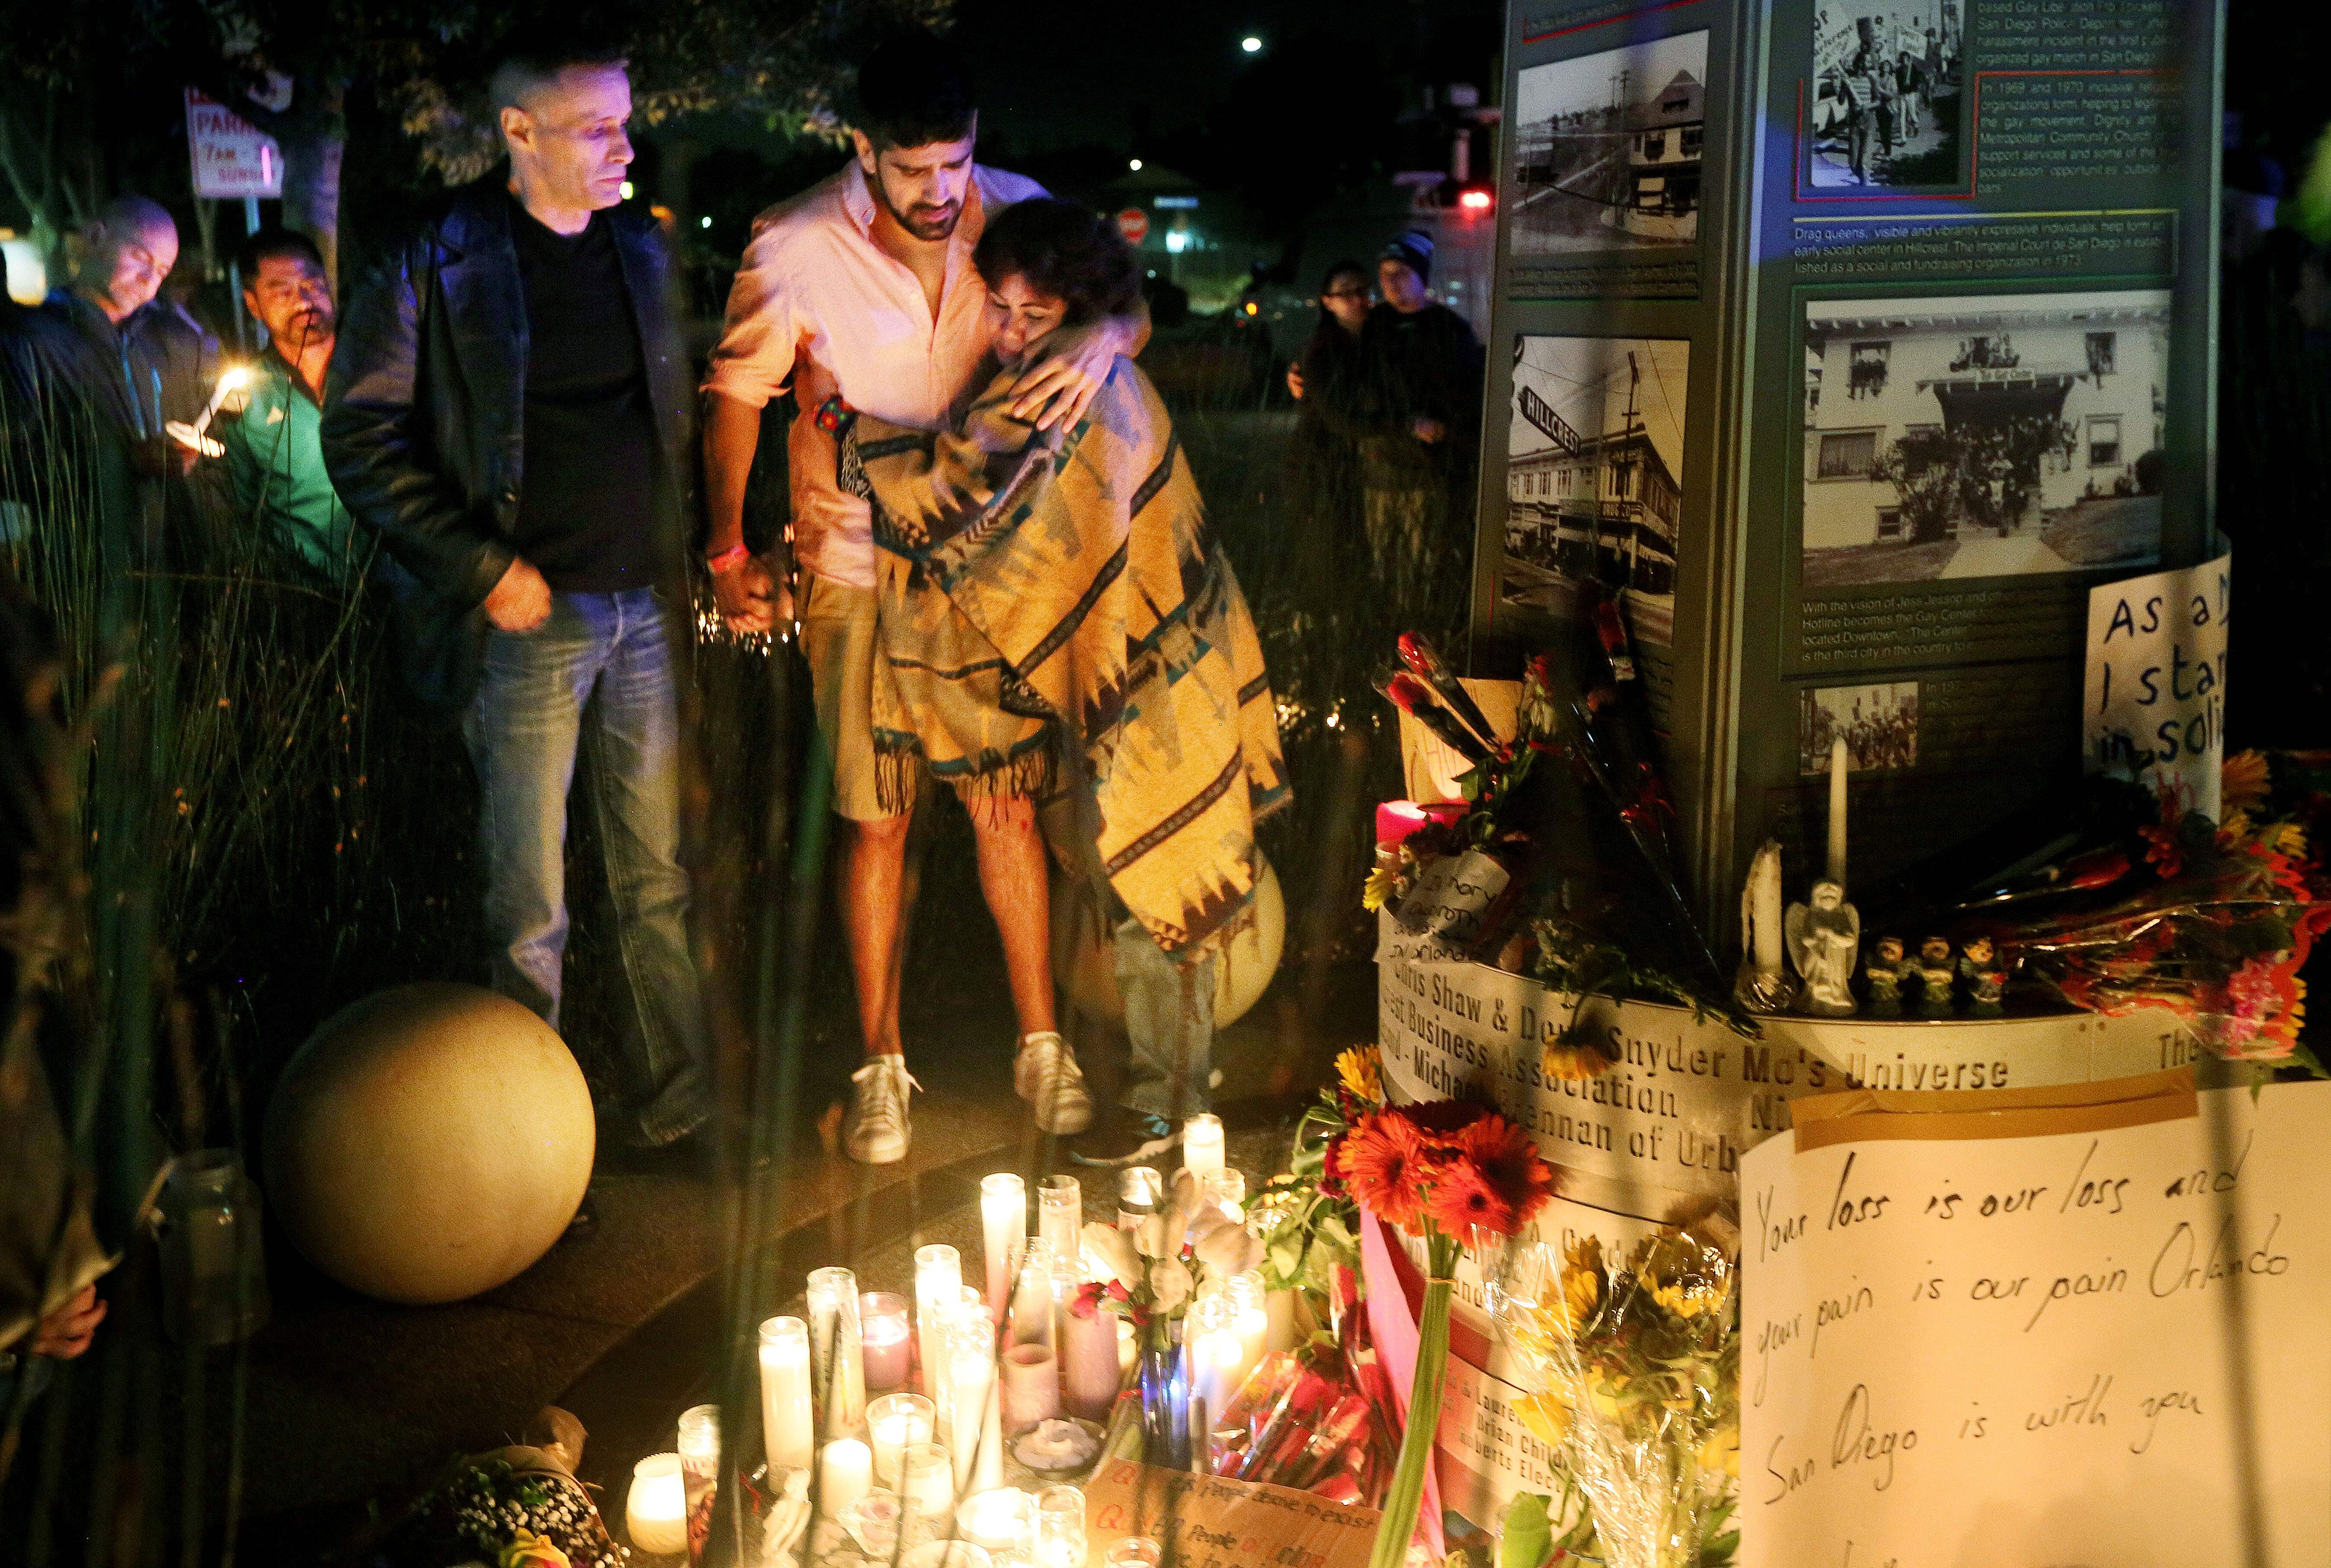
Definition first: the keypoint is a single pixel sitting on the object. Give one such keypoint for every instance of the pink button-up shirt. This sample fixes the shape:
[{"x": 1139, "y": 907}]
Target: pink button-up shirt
[{"x": 818, "y": 305}]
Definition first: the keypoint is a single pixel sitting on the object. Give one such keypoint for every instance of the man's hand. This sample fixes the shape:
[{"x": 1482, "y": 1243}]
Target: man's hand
[
  {"x": 520, "y": 601},
  {"x": 1428, "y": 430},
  {"x": 748, "y": 596},
  {"x": 67, "y": 1332},
  {"x": 1295, "y": 379},
  {"x": 1060, "y": 389}
]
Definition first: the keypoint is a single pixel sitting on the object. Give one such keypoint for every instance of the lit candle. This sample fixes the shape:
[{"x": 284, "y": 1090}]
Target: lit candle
[
  {"x": 1249, "y": 1302},
  {"x": 1003, "y": 1520},
  {"x": 699, "y": 1472},
  {"x": 1004, "y": 1226},
  {"x": 1279, "y": 1305},
  {"x": 837, "y": 1352},
  {"x": 1059, "y": 1527},
  {"x": 1140, "y": 1209},
  {"x": 1060, "y": 1219},
  {"x": 1214, "y": 1351},
  {"x": 938, "y": 1281},
  {"x": 1837, "y": 811},
  {"x": 976, "y": 1430},
  {"x": 845, "y": 1473},
  {"x": 898, "y": 1422},
  {"x": 229, "y": 379},
  {"x": 882, "y": 1334},
  {"x": 1128, "y": 1348},
  {"x": 1089, "y": 1372},
  {"x": 656, "y": 1512},
  {"x": 1032, "y": 1386},
  {"x": 1202, "y": 1144},
  {"x": 786, "y": 1403},
  {"x": 1032, "y": 1296},
  {"x": 1225, "y": 1192},
  {"x": 1764, "y": 908},
  {"x": 927, "y": 1490}
]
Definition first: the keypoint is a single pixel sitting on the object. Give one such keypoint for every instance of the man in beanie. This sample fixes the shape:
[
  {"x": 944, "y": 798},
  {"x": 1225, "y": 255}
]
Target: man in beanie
[{"x": 1417, "y": 456}]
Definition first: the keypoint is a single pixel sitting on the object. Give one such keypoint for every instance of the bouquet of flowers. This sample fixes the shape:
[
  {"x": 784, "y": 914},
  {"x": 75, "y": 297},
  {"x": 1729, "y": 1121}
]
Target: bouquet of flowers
[
  {"x": 1453, "y": 1175},
  {"x": 1317, "y": 1418},
  {"x": 1152, "y": 1283},
  {"x": 2216, "y": 924},
  {"x": 1635, "y": 1368},
  {"x": 516, "y": 1507}
]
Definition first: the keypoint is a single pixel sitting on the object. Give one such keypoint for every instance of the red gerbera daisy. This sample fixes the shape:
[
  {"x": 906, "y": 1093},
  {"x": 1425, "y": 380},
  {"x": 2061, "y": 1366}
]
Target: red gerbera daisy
[
  {"x": 1465, "y": 1200},
  {"x": 1508, "y": 1160},
  {"x": 1383, "y": 1160}
]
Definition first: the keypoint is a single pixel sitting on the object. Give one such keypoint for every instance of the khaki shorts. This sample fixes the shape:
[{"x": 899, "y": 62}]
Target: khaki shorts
[{"x": 838, "y": 639}]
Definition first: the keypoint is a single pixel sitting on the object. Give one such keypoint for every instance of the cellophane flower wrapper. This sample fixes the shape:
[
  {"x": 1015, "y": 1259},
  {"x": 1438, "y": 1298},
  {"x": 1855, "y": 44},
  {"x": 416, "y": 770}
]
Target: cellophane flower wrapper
[
  {"x": 1314, "y": 1419},
  {"x": 1630, "y": 1368}
]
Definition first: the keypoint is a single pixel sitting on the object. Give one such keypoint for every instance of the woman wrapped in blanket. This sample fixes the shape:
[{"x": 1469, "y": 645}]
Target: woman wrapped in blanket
[{"x": 1057, "y": 624}]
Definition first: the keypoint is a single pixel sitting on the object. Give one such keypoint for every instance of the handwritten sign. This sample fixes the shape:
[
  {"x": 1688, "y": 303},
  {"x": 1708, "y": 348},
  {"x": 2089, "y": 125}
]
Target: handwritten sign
[
  {"x": 2099, "y": 1344},
  {"x": 231, "y": 157},
  {"x": 1685, "y": 1099},
  {"x": 1207, "y": 1522},
  {"x": 2156, "y": 706},
  {"x": 1451, "y": 895}
]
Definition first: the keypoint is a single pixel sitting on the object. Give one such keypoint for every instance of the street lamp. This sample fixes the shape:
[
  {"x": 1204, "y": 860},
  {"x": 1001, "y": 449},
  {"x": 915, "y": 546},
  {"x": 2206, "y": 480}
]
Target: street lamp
[
  {"x": 1135, "y": 165},
  {"x": 1251, "y": 43}
]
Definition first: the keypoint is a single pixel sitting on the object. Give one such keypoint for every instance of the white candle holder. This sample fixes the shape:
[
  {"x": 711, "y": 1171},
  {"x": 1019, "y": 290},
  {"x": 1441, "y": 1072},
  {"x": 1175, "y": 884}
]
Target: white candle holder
[
  {"x": 898, "y": 1422},
  {"x": 837, "y": 1353},
  {"x": 1202, "y": 1145},
  {"x": 655, "y": 1514},
  {"x": 1059, "y": 1527},
  {"x": 938, "y": 1281},
  {"x": 1003, "y": 1230},
  {"x": 788, "y": 1401}
]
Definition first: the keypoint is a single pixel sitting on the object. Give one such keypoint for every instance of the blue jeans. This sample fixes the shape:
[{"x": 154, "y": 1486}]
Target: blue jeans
[
  {"x": 1169, "y": 1018},
  {"x": 595, "y": 676}
]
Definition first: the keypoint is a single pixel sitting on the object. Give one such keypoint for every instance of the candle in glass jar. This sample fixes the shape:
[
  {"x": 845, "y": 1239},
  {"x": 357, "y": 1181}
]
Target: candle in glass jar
[
  {"x": 1060, "y": 1222},
  {"x": 927, "y": 1487},
  {"x": 977, "y": 1429},
  {"x": 1003, "y": 1520},
  {"x": 1248, "y": 1300},
  {"x": 1032, "y": 1386},
  {"x": 656, "y": 1512},
  {"x": 882, "y": 1335},
  {"x": 845, "y": 1473},
  {"x": 1089, "y": 1372},
  {"x": 699, "y": 1472},
  {"x": 1059, "y": 1527},
  {"x": 1004, "y": 1226},
  {"x": 1214, "y": 1351},
  {"x": 1202, "y": 1144},
  {"x": 788, "y": 1421},
  {"x": 837, "y": 1352},
  {"x": 938, "y": 1279},
  {"x": 1032, "y": 1306},
  {"x": 1141, "y": 1208},
  {"x": 1226, "y": 1193},
  {"x": 898, "y": 1422}
]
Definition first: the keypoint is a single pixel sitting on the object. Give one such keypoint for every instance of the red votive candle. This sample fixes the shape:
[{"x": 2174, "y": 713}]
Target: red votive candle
[
  {"x": 884, "y": 1336},
  {"x": 1395, "y": 820}
]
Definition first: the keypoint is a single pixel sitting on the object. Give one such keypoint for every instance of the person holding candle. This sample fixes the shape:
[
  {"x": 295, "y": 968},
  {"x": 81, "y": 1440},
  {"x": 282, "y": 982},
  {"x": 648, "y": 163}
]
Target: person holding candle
[
  {"x": 859, "y": 293},
  {"x": 508, "y": 410}
]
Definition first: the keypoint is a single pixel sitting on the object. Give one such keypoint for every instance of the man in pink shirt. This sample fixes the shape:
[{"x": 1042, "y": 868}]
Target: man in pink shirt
[{"x": 862, "y": 287}]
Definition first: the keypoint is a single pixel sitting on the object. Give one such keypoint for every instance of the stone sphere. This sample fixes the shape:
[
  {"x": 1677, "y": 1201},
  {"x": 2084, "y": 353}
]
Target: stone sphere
[
  {"x": 1087, "y": 969},
  {"x": 428, "y": 1143}
]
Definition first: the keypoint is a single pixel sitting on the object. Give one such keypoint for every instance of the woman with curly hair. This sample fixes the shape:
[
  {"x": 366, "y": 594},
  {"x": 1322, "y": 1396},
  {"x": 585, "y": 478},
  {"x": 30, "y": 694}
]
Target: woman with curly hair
[{"x": 1057, "y": 625}]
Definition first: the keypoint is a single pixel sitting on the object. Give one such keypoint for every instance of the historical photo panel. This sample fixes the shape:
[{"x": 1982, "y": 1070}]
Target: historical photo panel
[
  {"x": 1595, "y": 474},
  {"x": 1879, "y": 726},
  {"x": 1985, "y": 436},
  {"x": 1607, "y": 150},
  {"x": 1885, "y": 104}
]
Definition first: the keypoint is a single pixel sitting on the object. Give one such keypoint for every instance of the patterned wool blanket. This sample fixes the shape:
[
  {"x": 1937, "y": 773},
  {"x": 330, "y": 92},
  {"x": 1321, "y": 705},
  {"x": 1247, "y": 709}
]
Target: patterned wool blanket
[{"x": 1054, "y": 616}]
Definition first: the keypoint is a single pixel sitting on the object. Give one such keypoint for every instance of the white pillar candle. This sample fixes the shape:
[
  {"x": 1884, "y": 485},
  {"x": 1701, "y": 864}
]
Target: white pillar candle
[
  {"x": 1837, "y": 811},
  {"x": 656, "y": 1512},
  {"x": 1252, "y": 1322},
  {"x": 1004, "y": 1226},
  {"x": 845, "y": 1473},
  {"x": 789, "y": 1426},
  {"x": 1213, "y": 1350},
  {"x": 1764, "y": 908},
  {"x": 1202, "y": 1144},
  {"x": 971, "y": 1389},
  {"x": 1032, "y": 1386},
  {"x": 837, "y": 1353},
  {"x": 1279, "y": 1307},
  {"x": 1089, "y": 1373},
  {"x": 896, "y": 1422},
  {"x": 938, "y": 1281}
]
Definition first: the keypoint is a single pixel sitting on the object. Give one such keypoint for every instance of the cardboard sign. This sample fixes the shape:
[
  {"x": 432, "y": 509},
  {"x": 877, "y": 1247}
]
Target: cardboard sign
[
  {"x": 2033, "y": 1337},
  {"x": 1207, "y": 1522},
  {"x": 2155, "y": 699},
  {"x": 231, "y": 157}
]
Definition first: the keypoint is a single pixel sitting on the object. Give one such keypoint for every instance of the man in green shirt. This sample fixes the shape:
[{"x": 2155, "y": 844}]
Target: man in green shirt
[{"x": 275, "y": 462}]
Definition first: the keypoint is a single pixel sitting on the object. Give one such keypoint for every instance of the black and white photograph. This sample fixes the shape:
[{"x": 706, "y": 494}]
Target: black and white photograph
[
  {"x": 1886, "y": 102},
  {"x": 1879, "y": 726},
  {"x": 1595, "y": 474},
  {"x": 1983, "y": 435},
  {"x": 1607, "y": 150}
]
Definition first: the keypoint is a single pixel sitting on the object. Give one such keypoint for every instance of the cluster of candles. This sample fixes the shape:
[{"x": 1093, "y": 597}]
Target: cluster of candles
[{"x": 836, "y": 1399}]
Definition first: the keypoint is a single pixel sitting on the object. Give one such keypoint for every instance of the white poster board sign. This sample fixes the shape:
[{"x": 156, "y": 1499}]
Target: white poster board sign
[
  {"x": 2086, "y": 1344},
  {"x": 231, "y": 157},
  {"x": 2155, "y": 705}
]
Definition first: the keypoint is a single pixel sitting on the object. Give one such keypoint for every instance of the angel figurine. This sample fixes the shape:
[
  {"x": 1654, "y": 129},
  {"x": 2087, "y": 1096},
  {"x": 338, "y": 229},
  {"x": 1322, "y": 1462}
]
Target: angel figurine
[{"x": 1824, "y": 941}]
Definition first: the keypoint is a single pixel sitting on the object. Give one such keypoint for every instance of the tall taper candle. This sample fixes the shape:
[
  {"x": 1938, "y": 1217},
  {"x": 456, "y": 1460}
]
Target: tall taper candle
[
  {"x": 1004, "y": 1226},
  {"x": 789, "y": 1427},
  {"x": 1837, "y": 811},
  {"x": 1764, "y": 908},
  {"x": 938, "y": 1277},
  {"x": 837, "y": 1353}
]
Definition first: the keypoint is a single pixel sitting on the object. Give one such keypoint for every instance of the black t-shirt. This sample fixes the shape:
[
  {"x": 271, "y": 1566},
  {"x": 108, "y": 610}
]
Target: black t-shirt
[{"x": 586, "y": 507}]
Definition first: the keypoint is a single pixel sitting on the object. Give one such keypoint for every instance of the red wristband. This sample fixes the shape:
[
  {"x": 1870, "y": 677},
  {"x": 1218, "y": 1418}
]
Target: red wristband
[{"x": 729, "y": 557}]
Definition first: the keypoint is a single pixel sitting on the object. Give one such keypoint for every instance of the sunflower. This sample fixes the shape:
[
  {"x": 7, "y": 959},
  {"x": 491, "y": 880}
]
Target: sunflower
[
  {"x": 1573, "y": 1057},
  {"x": 1361, "y": 1070},
  {"x": 1582, "y": 1281},
  {"x": 2242, "y": 781},
  {"x": 1546, "y": 1418}
]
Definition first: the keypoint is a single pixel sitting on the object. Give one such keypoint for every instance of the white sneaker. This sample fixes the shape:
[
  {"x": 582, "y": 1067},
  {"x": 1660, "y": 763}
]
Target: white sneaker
[
  {"x": 877, "y": 1128},
  {"x": 1046, "y": 1075}
]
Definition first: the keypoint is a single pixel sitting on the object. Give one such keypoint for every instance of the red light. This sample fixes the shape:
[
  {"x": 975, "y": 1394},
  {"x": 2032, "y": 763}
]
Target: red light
[{"x": 1476, "y": 201}]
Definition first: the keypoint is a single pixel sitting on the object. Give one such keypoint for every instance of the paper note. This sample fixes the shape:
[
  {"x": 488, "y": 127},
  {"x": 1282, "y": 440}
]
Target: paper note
[
  {"x": 2095, "y": 1344},
  {"x": 1429, "y": 769},
  {"x": 2155, "y": 703},
  {"x": 1206, "y": 1521}
]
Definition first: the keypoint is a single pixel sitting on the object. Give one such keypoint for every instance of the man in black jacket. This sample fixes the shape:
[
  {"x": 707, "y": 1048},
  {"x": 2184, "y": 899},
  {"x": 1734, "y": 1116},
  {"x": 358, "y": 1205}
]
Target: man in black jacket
[
  {"x": 508, "y": 407},
  {"x": 1424, "y": 422}
]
